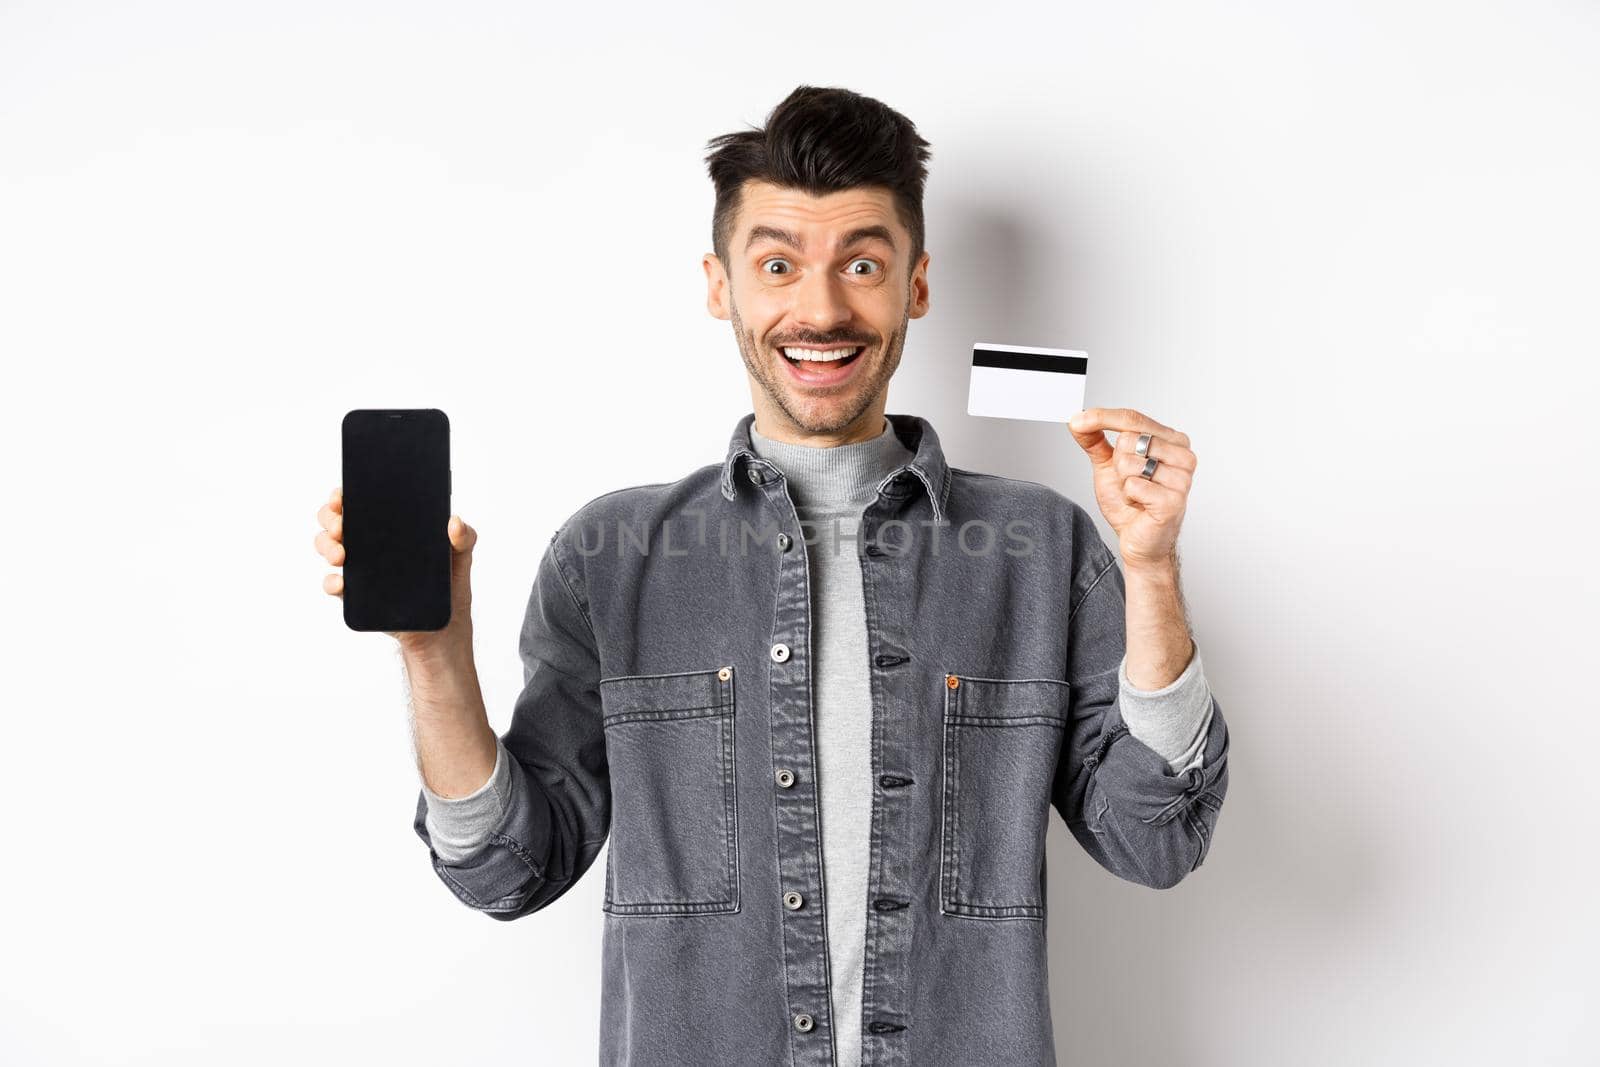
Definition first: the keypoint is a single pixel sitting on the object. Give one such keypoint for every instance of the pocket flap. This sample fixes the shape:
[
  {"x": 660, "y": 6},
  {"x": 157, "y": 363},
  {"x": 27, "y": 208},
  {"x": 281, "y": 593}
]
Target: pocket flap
[
  {"x": 979, "y": 701},
  {"x": 667, "y": 696}
]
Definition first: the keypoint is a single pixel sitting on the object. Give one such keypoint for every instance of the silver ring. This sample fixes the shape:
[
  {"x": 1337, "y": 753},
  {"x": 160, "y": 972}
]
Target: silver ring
[
  {"x": 1150, "y": 466},
  {"x": 1141, "y": 447}
]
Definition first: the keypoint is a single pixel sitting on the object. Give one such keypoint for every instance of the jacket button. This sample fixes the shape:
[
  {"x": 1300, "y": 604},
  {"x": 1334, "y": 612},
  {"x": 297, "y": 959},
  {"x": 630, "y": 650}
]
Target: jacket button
[
  {"x": 756, "y": 476},
  {"x": 951, "y": 681},
  {"x": 785, "y": 777},
  {"x": 780, "y": 652},
  {"x": 793, "y": 900},
  {"x": 804, "y": 1023},
  {"x": 784, "y": 542},
  {"x": 725, "y": 673}
]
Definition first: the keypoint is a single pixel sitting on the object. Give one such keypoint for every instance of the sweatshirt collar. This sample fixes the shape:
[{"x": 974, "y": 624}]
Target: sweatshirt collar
[{"x": 926, "y": 469}]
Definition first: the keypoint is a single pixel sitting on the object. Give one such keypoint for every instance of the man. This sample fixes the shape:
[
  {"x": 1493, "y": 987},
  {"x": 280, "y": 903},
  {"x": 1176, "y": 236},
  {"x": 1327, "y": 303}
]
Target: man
[{"x": 821, "y": 695}]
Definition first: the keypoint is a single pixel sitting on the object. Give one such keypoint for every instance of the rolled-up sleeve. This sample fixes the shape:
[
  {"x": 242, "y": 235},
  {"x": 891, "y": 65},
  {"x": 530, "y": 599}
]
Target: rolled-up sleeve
[
  {"x": 1173, "y": 719},
  {"x": 553, "y": 798},
  {"x": 1123, "y": 800},
  {"x": 459, "y": 826}
]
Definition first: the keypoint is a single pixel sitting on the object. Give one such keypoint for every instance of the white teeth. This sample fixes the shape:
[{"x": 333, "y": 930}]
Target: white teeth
[{"x": 815, "y": 356}]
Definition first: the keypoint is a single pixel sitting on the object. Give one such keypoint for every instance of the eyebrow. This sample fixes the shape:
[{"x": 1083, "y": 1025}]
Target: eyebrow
[{"x": 788, "y": 237}]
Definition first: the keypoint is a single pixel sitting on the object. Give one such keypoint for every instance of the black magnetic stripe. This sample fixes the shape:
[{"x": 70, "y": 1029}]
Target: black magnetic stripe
[
  {"x": 1031, "y": 362},
  {"x": 988, "y": 357}
]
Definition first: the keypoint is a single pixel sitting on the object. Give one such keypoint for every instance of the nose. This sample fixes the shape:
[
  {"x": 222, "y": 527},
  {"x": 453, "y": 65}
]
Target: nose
[{"x": 819, "y": 302}]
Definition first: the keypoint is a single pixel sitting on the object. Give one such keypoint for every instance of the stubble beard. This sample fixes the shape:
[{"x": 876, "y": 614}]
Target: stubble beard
[{"x": 833, "y": 419}]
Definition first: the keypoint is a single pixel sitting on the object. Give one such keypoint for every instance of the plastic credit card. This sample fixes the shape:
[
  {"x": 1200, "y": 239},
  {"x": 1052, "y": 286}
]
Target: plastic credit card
[{"x": 1023, "y": 382}]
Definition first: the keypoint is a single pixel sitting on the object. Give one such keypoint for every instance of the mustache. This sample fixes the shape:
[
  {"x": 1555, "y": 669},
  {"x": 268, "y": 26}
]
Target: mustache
[{"x": 862, "y": 341}]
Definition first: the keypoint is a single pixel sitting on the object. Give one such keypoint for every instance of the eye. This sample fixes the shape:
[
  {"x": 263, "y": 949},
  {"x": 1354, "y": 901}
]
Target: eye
[
  {"x": 876, "y": 269},
  {"x": 769, "y": 263}
]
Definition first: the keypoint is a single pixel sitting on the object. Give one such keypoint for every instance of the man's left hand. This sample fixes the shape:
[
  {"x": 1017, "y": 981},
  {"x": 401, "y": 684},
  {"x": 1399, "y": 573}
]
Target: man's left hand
[{"x": 1145, "y": 512}]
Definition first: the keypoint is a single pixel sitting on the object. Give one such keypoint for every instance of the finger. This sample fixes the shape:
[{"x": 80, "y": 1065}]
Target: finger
[
  {"x": 1129, "y": 464},
  {"x": 333, "y": 585},
  {"x": 331, "y": 521},
  {"x": 336, "y": 499},
  {"x": 1094, "y": 443},
  {"x": 331, "y": 550},
  {"x": 1167, "y": 474},
  {"x": 1125, "y": 419},
  {"x": 462, "y": 536},
  {"x": 1168, "y": 451},
  {"x": 1159, "y": 502}
]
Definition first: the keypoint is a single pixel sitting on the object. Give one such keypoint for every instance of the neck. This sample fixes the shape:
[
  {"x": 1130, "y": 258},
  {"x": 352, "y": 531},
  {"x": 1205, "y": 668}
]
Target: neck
[
  {"x": 774, "y": 426},
  {"x": 833, "y": 475}
]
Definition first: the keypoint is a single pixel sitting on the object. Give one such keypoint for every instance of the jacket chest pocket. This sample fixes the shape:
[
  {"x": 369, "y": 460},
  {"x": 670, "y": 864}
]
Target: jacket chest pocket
[
  {"x": 674, "y": 823},
  {"x": 1001, "y": 740}
]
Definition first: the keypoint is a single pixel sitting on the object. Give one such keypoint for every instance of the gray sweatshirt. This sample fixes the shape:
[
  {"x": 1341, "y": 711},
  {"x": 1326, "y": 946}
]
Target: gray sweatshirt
[{"x": 831, "y": 487}]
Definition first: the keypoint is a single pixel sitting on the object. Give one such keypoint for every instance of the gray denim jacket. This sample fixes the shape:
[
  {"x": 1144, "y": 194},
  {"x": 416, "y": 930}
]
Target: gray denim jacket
[{"x": 667, "y": 705}]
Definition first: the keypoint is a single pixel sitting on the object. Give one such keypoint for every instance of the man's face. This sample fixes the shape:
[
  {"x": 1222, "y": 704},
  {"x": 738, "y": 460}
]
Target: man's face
[{"x": 829, "y": 275}]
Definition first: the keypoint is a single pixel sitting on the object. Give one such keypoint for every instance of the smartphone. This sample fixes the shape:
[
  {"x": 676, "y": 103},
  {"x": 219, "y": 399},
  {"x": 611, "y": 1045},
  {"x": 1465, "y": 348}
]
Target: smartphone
[{"x": 396, "y": 489}]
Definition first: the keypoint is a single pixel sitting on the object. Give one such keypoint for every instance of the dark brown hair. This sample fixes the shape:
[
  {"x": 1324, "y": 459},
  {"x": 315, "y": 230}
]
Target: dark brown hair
[{"x": 822, "y": 140}]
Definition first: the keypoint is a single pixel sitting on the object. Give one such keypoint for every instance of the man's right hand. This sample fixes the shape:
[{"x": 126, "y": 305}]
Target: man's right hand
[{"x": 457, "y": 636}]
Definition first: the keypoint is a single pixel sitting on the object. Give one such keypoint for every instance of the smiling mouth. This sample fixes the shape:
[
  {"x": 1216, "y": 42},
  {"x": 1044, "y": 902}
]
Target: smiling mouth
[{"x": 821, "y": 358}]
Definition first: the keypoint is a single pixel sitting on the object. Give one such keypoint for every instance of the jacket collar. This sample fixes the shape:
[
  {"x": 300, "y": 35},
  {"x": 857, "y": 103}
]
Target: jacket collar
[{"x": 926, "y": 468}]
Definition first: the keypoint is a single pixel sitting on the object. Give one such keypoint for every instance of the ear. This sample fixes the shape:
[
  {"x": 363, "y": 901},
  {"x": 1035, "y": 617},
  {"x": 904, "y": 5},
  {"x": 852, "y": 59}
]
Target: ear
[
  {"x": 919, "y": 288},
  {"x": 717, "y": 285}
]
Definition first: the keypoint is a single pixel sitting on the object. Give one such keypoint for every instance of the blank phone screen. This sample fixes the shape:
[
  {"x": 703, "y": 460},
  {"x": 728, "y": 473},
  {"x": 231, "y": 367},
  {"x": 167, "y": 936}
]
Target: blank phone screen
[{"x": 396, "y": 492}]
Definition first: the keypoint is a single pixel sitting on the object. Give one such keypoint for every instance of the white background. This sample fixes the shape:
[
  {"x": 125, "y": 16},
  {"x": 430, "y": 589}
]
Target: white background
[{"x": 1350, "y": 249}]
